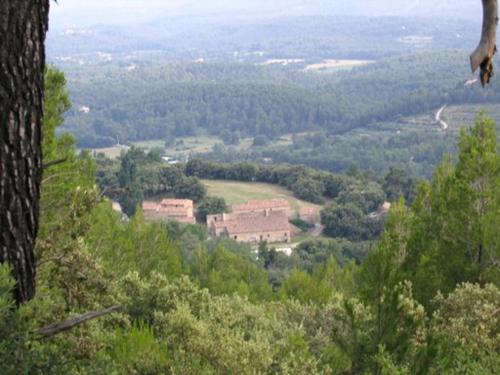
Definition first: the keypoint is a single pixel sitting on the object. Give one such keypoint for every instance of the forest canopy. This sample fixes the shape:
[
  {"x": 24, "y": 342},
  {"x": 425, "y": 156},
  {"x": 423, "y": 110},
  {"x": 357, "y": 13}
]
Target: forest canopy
[{"x": 182, "y": 99}]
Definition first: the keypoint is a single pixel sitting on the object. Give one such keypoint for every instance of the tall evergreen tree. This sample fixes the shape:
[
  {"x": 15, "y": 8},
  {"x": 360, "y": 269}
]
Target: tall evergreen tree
[
  {"x": 128, "y": 177},
  {"x": 453, "y": 239}
]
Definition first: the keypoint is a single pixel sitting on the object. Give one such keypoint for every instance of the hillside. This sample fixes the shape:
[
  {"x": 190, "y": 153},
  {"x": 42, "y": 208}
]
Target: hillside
[
  {"x": 241, "y": 192},
  {"x": 165, "y": 101}
]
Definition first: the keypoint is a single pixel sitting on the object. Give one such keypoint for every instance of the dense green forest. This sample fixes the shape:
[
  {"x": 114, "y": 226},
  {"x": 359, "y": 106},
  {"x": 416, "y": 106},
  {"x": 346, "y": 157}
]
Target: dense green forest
[
  {"x": 425, "y": 301},
  {"x": 366, "y": 117},
  {"x": 161, "y": 102},
  {"x": 417, "y": 150}
]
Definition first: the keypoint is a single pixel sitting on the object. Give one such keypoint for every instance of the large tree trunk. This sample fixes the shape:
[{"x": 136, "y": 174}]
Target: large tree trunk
[{"x": 23, "y": 25}]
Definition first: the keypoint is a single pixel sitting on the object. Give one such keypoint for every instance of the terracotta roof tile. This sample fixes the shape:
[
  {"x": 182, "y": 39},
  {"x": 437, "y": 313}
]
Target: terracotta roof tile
[
  {"x": 238, "y": 224},
  {"x": 177, "y": 202},
  {"x": 149, "y": 206},
  {"x": 262, "y": 205},
  {"x": 166, "y": 211}
]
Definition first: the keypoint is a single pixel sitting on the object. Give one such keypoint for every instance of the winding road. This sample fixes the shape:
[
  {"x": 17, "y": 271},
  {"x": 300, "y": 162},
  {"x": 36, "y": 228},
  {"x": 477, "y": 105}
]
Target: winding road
[{"x": 439, "y": 113}]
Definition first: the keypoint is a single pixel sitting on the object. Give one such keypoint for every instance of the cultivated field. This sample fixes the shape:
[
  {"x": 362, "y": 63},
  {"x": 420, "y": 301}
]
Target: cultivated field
[
  {"x": 332, "y": 65},
  {"x": 182, "y": 149},
  {"x": 241, "y": 192},
  {"x": 457, "y": 116}
]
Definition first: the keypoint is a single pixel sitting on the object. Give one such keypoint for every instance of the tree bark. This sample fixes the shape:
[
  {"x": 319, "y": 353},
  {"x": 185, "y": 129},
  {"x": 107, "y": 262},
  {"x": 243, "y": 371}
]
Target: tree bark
[
  {"x": 23, "y": 26},
  {"x": 482, "y": 57}
]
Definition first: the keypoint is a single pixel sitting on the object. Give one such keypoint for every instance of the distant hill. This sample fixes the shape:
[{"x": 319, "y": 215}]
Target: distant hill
[
  {"x": 230, "y": 29},
  {"x": 162, "y": 101},
  {"x": 137, "y": 12}
]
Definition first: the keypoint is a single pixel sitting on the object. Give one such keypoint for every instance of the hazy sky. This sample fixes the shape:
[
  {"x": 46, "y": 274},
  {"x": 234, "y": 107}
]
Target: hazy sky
[
  {"x": 90, "y": 12},
  {"x": 119, "y": 11}
]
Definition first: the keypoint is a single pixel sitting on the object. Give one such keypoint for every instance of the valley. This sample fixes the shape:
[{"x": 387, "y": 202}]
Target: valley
[
  {"x": 222, "y": 187},
  {"x": 229, "y": 112}
]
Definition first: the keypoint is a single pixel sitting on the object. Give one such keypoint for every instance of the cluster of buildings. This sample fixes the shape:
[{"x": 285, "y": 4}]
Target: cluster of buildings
[{"x": 252, "y": 222}]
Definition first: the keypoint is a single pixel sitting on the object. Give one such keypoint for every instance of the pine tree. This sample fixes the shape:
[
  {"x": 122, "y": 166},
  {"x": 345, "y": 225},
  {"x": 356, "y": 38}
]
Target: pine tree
[{"x": 453, "y": 238}]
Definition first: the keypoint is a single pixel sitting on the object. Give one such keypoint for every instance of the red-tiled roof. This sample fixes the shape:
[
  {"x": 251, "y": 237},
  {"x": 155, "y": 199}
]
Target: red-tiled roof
[
  {"x": 177, "y": 202},
  {"x": 163, "y": 209},
  {"x": 170, "y": 209},
  {"x": 262, "y": 205},
  {"x": 259, "y": 223},
  {"x": 149, "y": 206}
]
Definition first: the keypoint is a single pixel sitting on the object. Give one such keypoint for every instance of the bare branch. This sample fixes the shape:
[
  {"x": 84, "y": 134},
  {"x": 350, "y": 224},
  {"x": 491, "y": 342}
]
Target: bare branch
[
  {"x": 57, "y": 328},
  {"x": 482, "y": 57}
]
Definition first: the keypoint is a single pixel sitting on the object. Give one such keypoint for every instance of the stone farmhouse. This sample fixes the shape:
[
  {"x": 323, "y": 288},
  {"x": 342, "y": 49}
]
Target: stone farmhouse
[
  {"x": 180, "y": 210},
  {"x": 254, "y": 221},
  {"x": 252, "y": 227}
]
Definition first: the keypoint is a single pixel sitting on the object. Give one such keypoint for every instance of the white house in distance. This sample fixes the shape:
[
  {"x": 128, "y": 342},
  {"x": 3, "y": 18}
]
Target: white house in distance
[{"x": 84, "y": 109}]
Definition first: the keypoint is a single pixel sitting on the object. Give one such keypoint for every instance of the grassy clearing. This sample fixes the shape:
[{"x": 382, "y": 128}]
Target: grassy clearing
[
  {"x": 182, "y": 148},
  {"x": 186, "y": 146},
  {"x": 148, "y": 145},
  {"x": 240, "y": 192},
  {"x": 111, "y": 152}
]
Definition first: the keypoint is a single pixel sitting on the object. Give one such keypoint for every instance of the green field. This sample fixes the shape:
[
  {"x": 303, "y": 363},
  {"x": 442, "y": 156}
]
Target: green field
[
  {"x": 241, "y": 192},
  {"x": 204, "y": 143}
]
